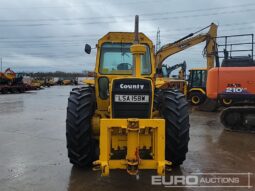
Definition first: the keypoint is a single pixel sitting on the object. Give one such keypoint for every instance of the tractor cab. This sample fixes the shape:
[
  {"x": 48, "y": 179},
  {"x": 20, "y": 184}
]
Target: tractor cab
[
  {"x": 197, "y": 85},
  {"x": 115, "y": 60},
  {"x": 197, "y": 78}
]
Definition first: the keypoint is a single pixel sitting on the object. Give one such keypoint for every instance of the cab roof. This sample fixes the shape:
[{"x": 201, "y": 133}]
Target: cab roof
[
  {"x": 125, "y": 37},
  {"x": 197, "y": 69}
]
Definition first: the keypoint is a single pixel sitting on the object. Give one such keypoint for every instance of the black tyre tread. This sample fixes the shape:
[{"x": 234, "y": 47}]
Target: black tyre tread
[
  {"x": 80, "y": 144},
  {"x": 156, "y": 100},
  {"x": 174, "y": 109}
]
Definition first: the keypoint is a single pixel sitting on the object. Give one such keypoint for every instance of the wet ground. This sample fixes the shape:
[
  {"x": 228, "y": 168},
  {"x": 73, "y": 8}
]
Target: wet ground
[{"x": 33, "y": 149}]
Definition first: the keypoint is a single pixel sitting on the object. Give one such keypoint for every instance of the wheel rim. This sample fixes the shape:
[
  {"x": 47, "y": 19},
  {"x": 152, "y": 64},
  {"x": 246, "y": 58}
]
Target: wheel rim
[
  {"x": 195, "y": 99},
  {"x": 227, "y": 101}
]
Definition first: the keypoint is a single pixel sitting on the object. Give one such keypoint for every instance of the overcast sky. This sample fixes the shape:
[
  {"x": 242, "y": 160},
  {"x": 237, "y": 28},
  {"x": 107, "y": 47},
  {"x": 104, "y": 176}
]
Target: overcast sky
[{"x": 49, "y": 35}]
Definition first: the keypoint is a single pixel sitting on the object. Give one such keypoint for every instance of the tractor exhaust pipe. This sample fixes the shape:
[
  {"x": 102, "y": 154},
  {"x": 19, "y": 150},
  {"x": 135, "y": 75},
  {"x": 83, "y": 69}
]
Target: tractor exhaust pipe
[
  {"x": 136, "y": 40},
  {"x": 137, "y": 50}
]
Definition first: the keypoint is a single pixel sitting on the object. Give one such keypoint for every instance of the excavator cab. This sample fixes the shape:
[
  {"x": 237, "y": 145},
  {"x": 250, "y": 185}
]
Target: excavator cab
[{"x": 232, "y": 84}]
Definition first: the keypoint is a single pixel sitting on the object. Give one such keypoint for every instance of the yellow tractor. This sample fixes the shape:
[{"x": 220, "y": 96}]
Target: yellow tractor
[{"x": 121, "y": 120}]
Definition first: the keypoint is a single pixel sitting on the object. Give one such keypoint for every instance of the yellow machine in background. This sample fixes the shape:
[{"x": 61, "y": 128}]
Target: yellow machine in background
[
  {"x": 121, "y": 120},
  {"x": 8, "y": 75},
  {"x": 67, "y": 82},
  {"x": 195, "y": 89},
  {"x": 166, "y": 81}
]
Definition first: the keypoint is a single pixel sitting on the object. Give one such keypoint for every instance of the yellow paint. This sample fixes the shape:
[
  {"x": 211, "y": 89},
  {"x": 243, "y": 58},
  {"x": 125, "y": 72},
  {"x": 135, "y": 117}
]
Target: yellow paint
[
  {"x": 195, "y": 99},
  {"x": 89, "y": 82},
  {"x": 67, "y": 82},
  {"x": 128, "y": 136},
  {"x": 131, "y": 136},
  {"x": 117, "y": 37},
  {"x": 197, "y": 89},
  {"x": 198, "y": 69},
  {"x": 163, "y": 83},
  {"x": 138, "y": 50}
]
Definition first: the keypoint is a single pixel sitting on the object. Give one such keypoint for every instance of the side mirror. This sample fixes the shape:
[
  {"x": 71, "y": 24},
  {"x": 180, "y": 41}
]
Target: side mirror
[{"x": 87, "y": 48}]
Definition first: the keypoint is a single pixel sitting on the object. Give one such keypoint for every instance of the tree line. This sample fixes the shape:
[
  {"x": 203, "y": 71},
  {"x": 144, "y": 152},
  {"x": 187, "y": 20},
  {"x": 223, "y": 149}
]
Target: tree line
[{"x": 59, "y": 74}]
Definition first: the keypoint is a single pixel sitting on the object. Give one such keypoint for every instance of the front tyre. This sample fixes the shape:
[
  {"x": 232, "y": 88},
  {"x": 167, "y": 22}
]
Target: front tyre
[
  {"x": 174, "y": 109},
  {"x": 80, "y": 144}
]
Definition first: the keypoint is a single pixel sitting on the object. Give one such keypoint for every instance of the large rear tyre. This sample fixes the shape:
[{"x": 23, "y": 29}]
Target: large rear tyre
[
  {"x": 80, "y": 143},
  {"x": 174, "y": 109}
]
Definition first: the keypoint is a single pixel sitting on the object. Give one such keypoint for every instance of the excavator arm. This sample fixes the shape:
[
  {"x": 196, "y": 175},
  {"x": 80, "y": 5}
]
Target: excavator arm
[
  {"x": 169, "y": 69},
  {"x": 187, "y": 42}
]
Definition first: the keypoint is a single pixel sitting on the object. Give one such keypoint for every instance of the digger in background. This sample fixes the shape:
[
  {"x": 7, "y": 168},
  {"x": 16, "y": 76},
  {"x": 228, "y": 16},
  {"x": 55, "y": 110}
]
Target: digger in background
[{"x": 195, "y": 87}]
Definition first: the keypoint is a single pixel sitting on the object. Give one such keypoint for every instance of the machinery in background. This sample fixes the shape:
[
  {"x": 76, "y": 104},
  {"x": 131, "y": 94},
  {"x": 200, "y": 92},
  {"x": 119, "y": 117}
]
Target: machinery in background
[
  {"x": 43, "y": 82},
  {"x": 121, "y": 120},
  {"x": 196, "y": 89},
  {"x": 197, "y": 85},
  {"x": 167, "y": 70},
  {"x": 11, "y": 82},
  {"x": 67, "y": 81},
  {"x": 233, "y": 83},
  {"x": 175, "y": 82},
  {"x": 193, "y": 84},
  {"x": 8, "y": 75}
]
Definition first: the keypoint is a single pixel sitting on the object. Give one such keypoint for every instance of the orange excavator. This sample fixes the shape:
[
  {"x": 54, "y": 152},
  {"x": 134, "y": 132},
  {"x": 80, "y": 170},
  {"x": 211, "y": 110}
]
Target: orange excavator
[{"x": 233, "y": 84}]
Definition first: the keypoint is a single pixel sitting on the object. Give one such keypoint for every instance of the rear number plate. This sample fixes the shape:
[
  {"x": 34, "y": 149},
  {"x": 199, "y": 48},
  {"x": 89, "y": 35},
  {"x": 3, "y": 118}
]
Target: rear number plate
[{"x": 132, "y": 98}]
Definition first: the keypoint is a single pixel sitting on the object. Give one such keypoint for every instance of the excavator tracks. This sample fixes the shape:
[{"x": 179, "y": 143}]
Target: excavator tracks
[{"x": 239, "y": 118}]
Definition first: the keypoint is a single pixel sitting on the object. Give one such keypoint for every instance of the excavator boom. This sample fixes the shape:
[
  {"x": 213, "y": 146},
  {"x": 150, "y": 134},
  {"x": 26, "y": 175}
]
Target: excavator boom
[{"x": 187, "y": 42}]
